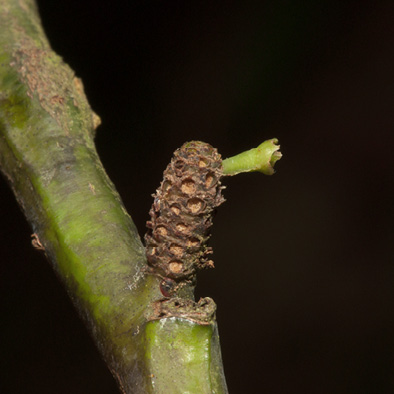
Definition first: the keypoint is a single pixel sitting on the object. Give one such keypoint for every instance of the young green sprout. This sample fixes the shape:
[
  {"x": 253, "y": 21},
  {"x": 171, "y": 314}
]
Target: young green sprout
[{"x": 262, "y": 159}]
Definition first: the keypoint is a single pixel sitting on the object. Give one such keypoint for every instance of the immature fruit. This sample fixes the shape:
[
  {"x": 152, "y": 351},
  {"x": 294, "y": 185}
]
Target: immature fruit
[{"x": 181, "y": 214}]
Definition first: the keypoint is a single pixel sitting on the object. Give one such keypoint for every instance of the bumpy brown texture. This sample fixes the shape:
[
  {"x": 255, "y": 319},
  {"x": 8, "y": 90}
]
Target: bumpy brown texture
[
  {"x": 181, "y": 214},
  {"x": 202, "y": 312}
]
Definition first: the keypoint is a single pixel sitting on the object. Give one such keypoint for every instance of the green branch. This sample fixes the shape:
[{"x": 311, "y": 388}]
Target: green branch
[
  {"x": 151, "y": 343},
  {"x": 48, "y": 155}
]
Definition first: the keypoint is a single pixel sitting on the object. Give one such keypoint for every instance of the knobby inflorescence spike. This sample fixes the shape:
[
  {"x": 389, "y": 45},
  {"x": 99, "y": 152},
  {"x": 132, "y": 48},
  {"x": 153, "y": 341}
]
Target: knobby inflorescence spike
[
  {"x": 183, "y": 207},
  {"x": 181, "y": 215}
]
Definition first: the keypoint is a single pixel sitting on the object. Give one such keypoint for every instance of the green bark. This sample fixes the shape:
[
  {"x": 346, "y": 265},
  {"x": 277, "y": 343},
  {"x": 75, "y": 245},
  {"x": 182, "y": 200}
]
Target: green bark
[{"x": 48, "y": 155}]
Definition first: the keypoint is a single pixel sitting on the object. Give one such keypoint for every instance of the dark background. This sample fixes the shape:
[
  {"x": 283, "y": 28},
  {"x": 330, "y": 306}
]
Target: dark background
[{"x": 304, "y": 277}]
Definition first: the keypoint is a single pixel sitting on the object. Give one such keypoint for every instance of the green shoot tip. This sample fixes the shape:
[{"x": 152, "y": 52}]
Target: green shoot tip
[{"x": 262, "y": 159}]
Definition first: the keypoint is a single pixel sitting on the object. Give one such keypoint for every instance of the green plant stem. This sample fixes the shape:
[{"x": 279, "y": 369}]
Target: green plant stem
[
  {"x": 48, "y": 156},
  {"x": 262, "y": 159},
  {"x": 185, "y": 343}
]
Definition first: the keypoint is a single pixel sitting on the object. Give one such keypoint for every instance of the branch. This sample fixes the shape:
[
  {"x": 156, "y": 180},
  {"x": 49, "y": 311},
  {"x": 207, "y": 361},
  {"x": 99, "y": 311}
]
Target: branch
[
  {"x": 151, "y": 343},
  {"x": 48, "y": 156}
]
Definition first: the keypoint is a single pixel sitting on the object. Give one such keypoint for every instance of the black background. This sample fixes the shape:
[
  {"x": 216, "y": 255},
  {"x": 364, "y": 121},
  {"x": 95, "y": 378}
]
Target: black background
[{"x": 304, "y": 277}]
